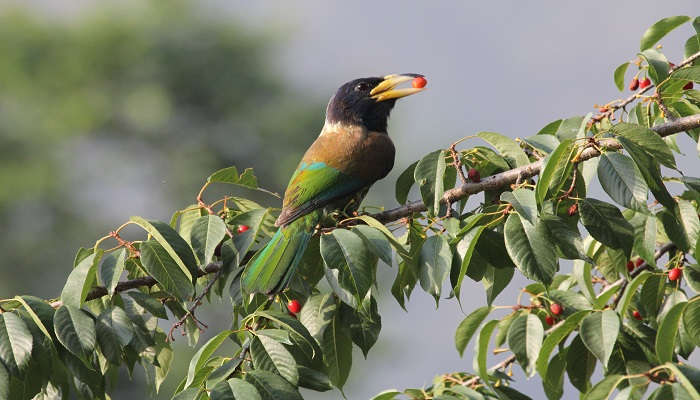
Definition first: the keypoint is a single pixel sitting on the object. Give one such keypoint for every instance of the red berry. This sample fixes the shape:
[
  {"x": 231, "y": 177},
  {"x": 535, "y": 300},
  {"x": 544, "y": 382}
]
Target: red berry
[
  {"x": 603, "y": 109},
  {"x": 639, "y": 262},
  {"x": 293, "y": 306},
  {"x": 674, "y": 274},
  {"x": 555, "y": 308},
  {"x": 630, "y": 266},
  {"x": 688, "y": 86},
  {"x": 474, "y": 175},
  {"x": 637, "y": 315},
  {"x": 549, "y": 319},
  {"x": 243, "y": 228},
  {"x": 646, "y": 82},
  {"x": 573, "y": 209},
  {"x": 634, "y": 85},
  {"x": 419, "y": 82}
]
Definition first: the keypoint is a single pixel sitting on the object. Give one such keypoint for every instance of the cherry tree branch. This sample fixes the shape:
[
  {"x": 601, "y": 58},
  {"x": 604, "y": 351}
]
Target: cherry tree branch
[{"x": 509, "y": 177}]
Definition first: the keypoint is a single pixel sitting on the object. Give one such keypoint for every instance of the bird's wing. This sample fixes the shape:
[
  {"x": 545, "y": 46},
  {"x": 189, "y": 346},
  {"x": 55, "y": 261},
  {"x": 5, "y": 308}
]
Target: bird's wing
[{"x": 313, "y": 186}]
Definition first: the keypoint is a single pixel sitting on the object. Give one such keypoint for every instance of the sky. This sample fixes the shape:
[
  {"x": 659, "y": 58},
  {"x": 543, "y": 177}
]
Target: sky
[{"x": 509, "y": 67}]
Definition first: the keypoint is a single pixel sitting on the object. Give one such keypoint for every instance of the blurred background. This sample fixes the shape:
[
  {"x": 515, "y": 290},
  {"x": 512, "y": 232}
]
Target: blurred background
[{"x": 116, "y": 108}]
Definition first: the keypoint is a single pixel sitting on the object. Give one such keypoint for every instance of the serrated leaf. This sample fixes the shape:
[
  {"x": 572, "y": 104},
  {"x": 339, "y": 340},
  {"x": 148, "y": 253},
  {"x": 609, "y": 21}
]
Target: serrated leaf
[
  {"x": 565, "y": 237},
  {"x": 660, "y": 29},
  {"x": 271, "y": 386},
  {"x": 482, "y": 351},
  {"x": 313, "y": 379},
  {"x": 230, "y": 175},
  {"x": 525, "y": 337},
  {"x": 295, "y": 328},
  {"x": 75, "y": 330},
  {"x": 113, "y": 331},
  {"x": 606, "y": 224},
  {"x": 364, "y": 326},
  {"x": 509, "y": 148},
  {"x": 429, "y": 174},
  {"x": 15, "y": 342},
  {"x": 160, "y": 265},
  {"x": 658, "y": 65},
  {"x": 580, "y": 364},
  {"x": 543, "y": 142},
  {"x": 619, "y": 76},
  {"x": 529, "y": 250},
  {"x": 317, "y": 313},
  {"x": 376, "y": 241},
  {"x": 337, "y": 353},
  {"x": 81, "y": 280},
  {"x": 554, "y": 170},
  {"x": 650, "y": 170},
  {"x": 178, "y": 249},
  {"x": 207, "y": 232},
  {"x": 691, "y": 319},
  {"x": 434, "y": 264},
  {"x": 234, "y": 389},
  {"x": 202, "y": 355},
  {"x": 523, "y": 200},
  {"x": 668, "y": 328},
  {"x": 111, "y": 269},
  {"x": 404, "y": 183},
  {"x": 465, "y": 250},
  {"x": 603, "y": 389},
  {"x": 599, "y": 333},
  {"x": 648, "y": 140},
  {"x": 468, "y": 327},
  {"x": 347, "y": 252},
  {"x": 622, "y": 181},
  {"x": 281, "y": 358},
  {"x": 645, "y": 240},
  {"x": 554, "y": 337}
]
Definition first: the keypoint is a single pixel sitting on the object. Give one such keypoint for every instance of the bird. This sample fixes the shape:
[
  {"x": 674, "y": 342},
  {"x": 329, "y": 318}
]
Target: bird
[{"x": 352, "y": 152}]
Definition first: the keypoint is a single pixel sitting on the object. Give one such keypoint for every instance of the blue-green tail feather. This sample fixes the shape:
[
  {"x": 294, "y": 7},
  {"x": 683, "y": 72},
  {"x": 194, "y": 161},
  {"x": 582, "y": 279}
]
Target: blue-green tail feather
[{"x": 271, "y": 269}]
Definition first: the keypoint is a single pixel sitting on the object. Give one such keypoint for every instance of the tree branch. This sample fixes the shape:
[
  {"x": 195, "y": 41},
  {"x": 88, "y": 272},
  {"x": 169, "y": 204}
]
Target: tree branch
[{"x": 509, "y": 177}]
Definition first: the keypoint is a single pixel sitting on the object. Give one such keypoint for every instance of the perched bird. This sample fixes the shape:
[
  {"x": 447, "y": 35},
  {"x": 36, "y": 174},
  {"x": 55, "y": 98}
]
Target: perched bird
[{"x": 352, "y": 152}]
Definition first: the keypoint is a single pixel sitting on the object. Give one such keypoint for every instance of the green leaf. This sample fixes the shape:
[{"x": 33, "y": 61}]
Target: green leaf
[
  {"x": 553, "y": 338},
  {"x": 525, "y": 337},
  {"x": 365, "y": 325},
  {"x": 555, "y": 170},
  {"x": 75, "y": 330},
  {"x": 622, "y": 181},
  {"x": 111, "y": 270},
  {"x": 468, "y": 327},
  {"x": 543, "y": 142},
  {"x": 565, "y": 237},
  {"x": 645, "y": 240},
  {"x": 681, "y": 224},
  {"x": 207, "y": 232},
  {"x": 15, "y": 343},
  {"x": 482, "y": 351},
  {"x": 295, "y": 328},
  {"x": 668, "y": 328},
  {"x": 404, "y": 183},
  {"x": 234, "y": 389},
  {"x": 337, "y": 352},
  {"x": 650, "y": 170},
  {"x": 603, "y": 389},
  {"x": 40, "y": 312},
  {"x": 386, "y": 395},
  {"x": 495, "y": 280},
  {"x": 509, "y": 148},
  {"x": 582, "y": 273},
  {"x": 570, "y": 300},
  {"x": 281, "y": 358},
  {"x": 691, "y": 319},
  {"x": 230, "y": 175},
  {"x": 688, "y": 74},
  {"x": 680, "y": 372},
  {"x": 81, "y": 280},
  {"x": 648, "y": 140},
  {"x": 113, "y": 331},
  {"x": 599, "y": 333},
  {"x": 178, "y": 249},
  {"x": 570, "y": 128},
  {"x": 465, "y": 250},
  {"x": 619, "y": 76},
  {"x": 188, "y": 394},
  {"x": 376, "y": 241},
  {"x": 606, "y": 224},
  {"x": 434, "y": 263},
  {"x": 313, "y": 379},
  {"x": 347, "y": 252},
  {"x": 523, "y": 200},
  {"x": 660, "y": 29},
  {"x": 429, "y": 174},
  {"x": 149, "y": 303},
  {"x": 272, "y": 386},
  {"x": 200, "y": 358},
  {"x": 317, "y": 313},
  {"x": 4, "y": 383},
  {"x": 580, "y": 364},
  {"x": 528, "y": 248},
  {"x": 160, "y": 265},
  {"x": 658, "y": 65},
  {"x": 553, "y": 381}
]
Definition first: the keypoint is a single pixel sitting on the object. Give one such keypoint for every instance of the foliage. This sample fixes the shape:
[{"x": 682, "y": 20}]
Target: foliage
[{"x": 632, "y": 321}]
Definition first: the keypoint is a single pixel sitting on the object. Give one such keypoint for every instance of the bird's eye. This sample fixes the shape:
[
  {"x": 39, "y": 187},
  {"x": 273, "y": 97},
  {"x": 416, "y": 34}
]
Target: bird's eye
[{"x": 361, "y": 87}]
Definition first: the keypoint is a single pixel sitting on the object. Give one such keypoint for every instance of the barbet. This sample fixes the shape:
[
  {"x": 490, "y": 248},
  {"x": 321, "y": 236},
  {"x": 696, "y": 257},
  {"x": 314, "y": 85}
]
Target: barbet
[{"x": 352, "y": 152}]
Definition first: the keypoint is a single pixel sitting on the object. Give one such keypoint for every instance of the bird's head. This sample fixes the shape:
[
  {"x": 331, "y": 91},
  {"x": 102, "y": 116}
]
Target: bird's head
[{"x": 367, "y": 102}]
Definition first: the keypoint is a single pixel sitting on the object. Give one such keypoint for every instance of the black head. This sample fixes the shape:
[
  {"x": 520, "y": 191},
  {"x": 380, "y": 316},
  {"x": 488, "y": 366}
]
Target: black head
[{"x": 368, "y": 102}]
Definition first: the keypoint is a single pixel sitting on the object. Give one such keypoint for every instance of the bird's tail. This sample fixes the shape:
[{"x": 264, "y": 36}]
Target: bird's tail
[{"x": 270, "y": 270}]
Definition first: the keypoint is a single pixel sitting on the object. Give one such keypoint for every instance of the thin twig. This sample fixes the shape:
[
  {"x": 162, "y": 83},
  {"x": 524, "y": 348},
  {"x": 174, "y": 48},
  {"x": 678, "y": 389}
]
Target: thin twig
[{"x": 190, "y": 312}]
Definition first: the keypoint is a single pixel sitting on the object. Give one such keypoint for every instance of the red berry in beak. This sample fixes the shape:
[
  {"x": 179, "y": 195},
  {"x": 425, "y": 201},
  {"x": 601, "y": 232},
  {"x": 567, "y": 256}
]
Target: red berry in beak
[{"x": 419, "y": 82}]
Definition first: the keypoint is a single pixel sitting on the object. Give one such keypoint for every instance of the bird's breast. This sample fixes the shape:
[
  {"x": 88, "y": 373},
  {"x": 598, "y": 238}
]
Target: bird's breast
[{"x": 356, "y": 152}]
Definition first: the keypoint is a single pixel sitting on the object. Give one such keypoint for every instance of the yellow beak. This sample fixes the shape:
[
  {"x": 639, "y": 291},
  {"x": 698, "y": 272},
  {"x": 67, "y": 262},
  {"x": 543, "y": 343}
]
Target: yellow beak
[{"x": 387, "y": 88}]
